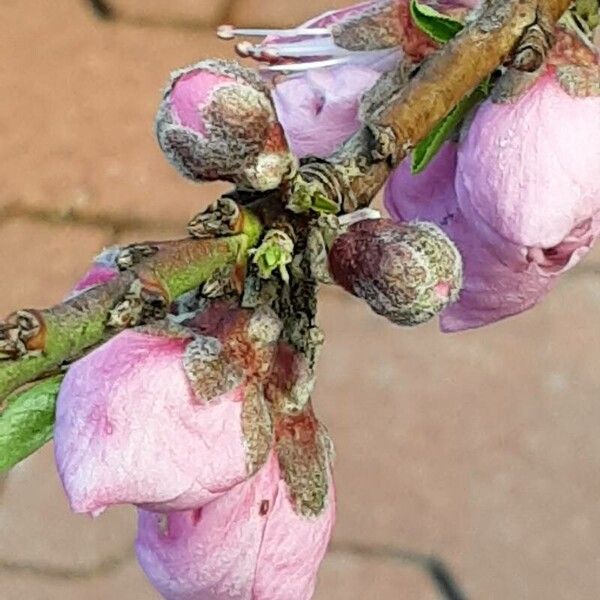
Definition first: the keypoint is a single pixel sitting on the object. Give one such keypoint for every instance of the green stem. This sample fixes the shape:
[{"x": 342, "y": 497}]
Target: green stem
[{"x": 81, "y": 322}]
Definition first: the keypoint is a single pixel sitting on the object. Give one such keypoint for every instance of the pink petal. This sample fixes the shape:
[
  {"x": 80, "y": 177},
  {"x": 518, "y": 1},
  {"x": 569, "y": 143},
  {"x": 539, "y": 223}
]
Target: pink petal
[
  {"x": 319, "y": 111},
  {"x": 209, "y": 553},
  {"x": 491, "y": 290},
  {"x": 191, "y": 93},
  {"x": 247, "y": 545},
  {"x": 528, "y": 174},
  {"x": 129, "y": 429},
  {"x": 292, "y": 549},
  {"x": 97, "y": 275},
  {"x": 103, "y": 270}
]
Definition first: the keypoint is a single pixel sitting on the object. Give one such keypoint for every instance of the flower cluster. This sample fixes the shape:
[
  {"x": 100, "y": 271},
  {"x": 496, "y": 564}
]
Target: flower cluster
[
  {"x": 208, "y": 429},
  {"x": 204, "y": 421}
]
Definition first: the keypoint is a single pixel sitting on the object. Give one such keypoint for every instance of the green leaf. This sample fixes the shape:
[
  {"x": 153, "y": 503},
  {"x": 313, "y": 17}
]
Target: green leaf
[
  {"x": 436, "y": 25},
  {"x": 427, "y": 148},
  {"x": 275, "y": 251},
  {"x": 27, "y": 421}
]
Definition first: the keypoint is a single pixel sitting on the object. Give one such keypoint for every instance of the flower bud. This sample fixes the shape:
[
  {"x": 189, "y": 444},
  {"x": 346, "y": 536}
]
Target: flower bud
[
  {"x": 217, "y": 121},
  {"x": 334, "y": 59},
  {"x": 407, "y": 272}
]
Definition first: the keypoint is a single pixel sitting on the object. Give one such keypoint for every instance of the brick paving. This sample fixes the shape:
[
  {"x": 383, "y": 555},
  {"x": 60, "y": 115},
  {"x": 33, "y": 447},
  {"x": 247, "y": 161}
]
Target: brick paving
[{"x": 479, "y": 448}]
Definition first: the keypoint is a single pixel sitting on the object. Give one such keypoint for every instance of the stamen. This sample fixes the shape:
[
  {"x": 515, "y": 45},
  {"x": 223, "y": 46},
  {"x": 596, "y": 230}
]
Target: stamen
[
  {"x": 299, "y": 50},
  {"x": 306, "y": 66},
  {"x": 228, "y": 32}
]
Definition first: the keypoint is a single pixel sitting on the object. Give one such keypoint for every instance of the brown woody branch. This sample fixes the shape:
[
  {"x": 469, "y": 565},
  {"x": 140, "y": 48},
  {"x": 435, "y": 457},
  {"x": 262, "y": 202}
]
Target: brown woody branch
[{"x": 355, "y": 173}]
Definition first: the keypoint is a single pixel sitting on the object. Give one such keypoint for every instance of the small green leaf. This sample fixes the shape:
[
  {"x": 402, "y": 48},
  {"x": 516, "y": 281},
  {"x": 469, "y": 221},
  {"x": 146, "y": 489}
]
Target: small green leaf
[
  {"x": 436, "y": 25},
  {"x": 27, "y": 421},
  {"x": 427, "y": 148},
  {"x": 274, "y": 252},
  {"x": 323, "y": 205}
]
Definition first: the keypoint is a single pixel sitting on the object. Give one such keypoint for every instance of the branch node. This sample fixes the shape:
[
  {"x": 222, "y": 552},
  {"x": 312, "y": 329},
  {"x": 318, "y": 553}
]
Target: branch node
[
  {"x": 139, "y": 304},
  {"x": 222, "y": 217},
  {"x": 21, "y": 335}
]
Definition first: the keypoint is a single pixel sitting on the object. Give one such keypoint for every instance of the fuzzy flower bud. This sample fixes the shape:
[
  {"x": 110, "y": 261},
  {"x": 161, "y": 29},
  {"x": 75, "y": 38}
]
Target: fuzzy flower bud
[
  {"x": 407, "y": 272},
  {"x": 250, "y": 543},
  {"x": 217, "y": 121},
  {"x": 169, "y": 418}
]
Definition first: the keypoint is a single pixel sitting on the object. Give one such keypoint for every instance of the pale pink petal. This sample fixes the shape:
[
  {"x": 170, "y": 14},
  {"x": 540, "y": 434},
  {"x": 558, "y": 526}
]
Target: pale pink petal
[
  {"x": 247, "y": 545},
  {"x": 209, "y": 553},
  {"x": 319, "y": 111},
  {"x": 129, "y": 429},
  {"x": 292, "y": 549},
  {"x": 528, "y": 176},
  {"x": 491, "y": 289}
]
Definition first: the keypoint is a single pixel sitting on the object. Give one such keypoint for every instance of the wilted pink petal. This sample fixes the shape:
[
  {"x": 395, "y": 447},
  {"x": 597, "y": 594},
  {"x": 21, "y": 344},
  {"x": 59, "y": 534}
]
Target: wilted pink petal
[
  {"x": 491, "y": 289},
  {"x": 319, "y": 111},
  {"x": 129, "y": 429},
  {"x": 247, "y": 545},
  {"x": 528, "y": 177}
]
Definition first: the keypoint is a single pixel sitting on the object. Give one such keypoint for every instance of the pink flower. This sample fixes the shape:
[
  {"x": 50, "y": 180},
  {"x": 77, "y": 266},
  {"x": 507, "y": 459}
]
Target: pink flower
[
  {"x": 528, "y": 179},
  {"x": 332, "y": 60},
  {"x": 492, "y": 290},
  {"x": 169, "y": 420},
  {"x": 250, "y": 544}
]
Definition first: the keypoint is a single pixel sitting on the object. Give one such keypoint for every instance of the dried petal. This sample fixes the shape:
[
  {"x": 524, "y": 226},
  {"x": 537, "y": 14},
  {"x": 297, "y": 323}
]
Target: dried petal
[
  {"x": 303, "y": 448},
  {"x": 257, "y": 426},
  {"x": 209, "y": 371}
]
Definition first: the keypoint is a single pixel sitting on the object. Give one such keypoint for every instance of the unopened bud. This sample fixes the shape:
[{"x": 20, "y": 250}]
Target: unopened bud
[
  {"x": 407, "y": 272},
  {"x": 217, "y": 121}
]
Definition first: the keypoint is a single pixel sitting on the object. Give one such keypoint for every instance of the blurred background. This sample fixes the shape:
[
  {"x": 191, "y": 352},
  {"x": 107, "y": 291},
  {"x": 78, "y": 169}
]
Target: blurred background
[{"x": 473, "y": 457}]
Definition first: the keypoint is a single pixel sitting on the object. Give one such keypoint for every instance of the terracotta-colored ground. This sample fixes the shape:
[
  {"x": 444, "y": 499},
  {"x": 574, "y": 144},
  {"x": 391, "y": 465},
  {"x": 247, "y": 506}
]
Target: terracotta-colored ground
[{"x": 481, "y": 449}]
